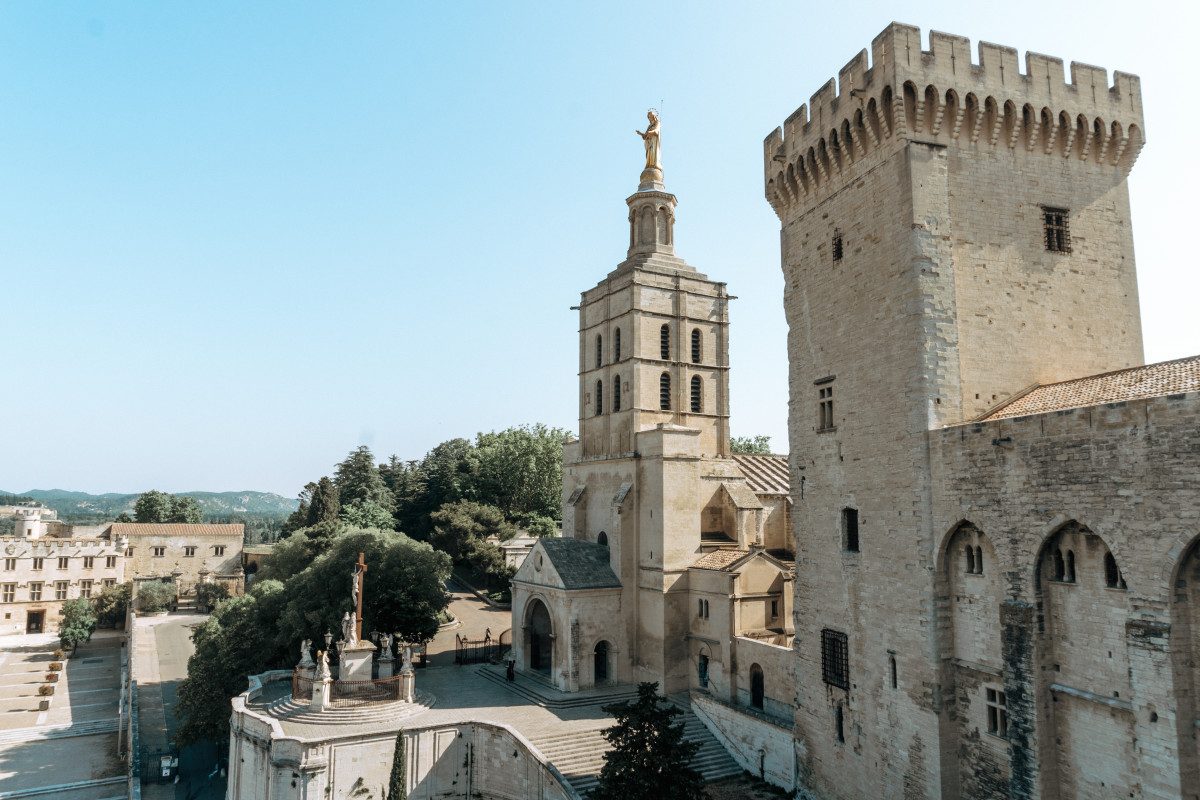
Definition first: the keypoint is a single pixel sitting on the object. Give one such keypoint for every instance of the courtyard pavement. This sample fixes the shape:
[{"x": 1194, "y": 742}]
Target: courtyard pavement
[{"x": 70, "y": 749}]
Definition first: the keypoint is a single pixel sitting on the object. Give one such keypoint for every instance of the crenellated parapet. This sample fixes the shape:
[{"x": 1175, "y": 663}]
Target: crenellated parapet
[{"x": 941, "y": 96}]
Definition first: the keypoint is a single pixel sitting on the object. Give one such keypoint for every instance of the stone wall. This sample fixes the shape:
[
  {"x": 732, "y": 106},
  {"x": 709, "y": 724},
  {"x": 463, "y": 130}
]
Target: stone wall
[{"x": 761, "y": 747}]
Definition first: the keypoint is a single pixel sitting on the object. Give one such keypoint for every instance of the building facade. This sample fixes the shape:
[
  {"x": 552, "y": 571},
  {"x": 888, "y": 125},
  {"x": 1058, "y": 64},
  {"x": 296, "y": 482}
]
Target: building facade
[
  {"x": 995, "y": 504},
  {"x": 47, "y": 562}
]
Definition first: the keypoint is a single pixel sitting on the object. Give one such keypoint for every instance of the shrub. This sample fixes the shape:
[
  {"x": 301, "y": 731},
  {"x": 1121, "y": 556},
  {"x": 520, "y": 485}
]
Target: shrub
[
  {"x": 45, "y": 690},
  {"x": 52, "y": 677},
  {"x": 58, "y": 655},
  {"x": 112, "y": 604},
  {"x": 155, "y": 596},
  {"x": 55, "y": 666}
]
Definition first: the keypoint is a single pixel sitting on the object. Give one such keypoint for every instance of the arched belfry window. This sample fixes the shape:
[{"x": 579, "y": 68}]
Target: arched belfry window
[
  {"x": 617, "y": 393},
  {"x": 599, "y": 350},
  {"x": 599, "y": 398},
  {"x": 664, "y": 391},
  {"x": 664, "y": 342},
  {"x": 617, "y": 345},
  {"x": 697, "y": 395},
  {"x": 696, "y": 348}
]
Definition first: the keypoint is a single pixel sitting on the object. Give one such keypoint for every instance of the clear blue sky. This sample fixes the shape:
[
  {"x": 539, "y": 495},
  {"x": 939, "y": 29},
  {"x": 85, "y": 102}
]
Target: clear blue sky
[{"x": 239, "y": 239}]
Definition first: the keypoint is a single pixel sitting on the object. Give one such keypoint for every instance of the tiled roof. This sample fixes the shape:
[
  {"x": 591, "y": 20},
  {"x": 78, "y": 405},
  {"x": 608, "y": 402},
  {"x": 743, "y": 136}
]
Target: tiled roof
[
  {"x": 720, "y": 559},
  {"x": 1135, "y": 383},
  {"x": 176, "y": 529},
  {"x": 741, "y": 494},
  {"x": 580, "y": 564},
  {"x": 765, "y": 474}
]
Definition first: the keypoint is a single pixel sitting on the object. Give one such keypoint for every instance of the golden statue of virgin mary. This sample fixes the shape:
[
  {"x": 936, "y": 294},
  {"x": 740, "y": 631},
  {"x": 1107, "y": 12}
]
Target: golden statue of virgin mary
[{"x": 650, "y": 139}]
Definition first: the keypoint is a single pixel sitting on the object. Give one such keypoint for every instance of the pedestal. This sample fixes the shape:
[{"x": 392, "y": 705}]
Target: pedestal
[
  {"x": 320, "y": 695},
  {"x": 356, "y": 662},
  {"x": 408, "y": 685},
  {"x": 387, "y": 668}
]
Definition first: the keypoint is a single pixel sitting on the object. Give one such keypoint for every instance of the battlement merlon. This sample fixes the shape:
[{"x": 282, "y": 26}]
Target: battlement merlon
[{"x": 897, "y": 58}]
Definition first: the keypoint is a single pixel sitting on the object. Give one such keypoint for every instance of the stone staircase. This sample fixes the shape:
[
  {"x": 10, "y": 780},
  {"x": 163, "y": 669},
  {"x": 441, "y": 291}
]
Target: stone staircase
[
  {"x": 579, "y": 754},
  {"x": 107, "y": 725},
  {"x": 542, "y": 693},
  {"x": 186, "y": 604}
]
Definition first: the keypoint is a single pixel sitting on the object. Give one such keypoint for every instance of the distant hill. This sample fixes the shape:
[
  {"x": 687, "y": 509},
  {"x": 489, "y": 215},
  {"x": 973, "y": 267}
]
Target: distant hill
[{"x": 81, "y": 505}]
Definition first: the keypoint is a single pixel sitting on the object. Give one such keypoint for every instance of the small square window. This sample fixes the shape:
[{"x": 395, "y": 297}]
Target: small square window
[
  {"x": 110, "y": 581},
  {"x": 219, "y": 550},
  {"x": 89, "y": 562},
  {"x": 85, "y": 588},
  {"x": 37, "y": 563},
  {"x": 189, "y": 551},
  {"x": 110, "y": 561},
  {"x": 63, "y": 562},
  {"x": 10, "y": 564},
  {"x": 159, "y": 552},
  {"x": 35, "y": 590},
  {"x": 825, "y": 409},
  {"x": 60, "y": 590},
  {"x": 1056, "y": 227}
]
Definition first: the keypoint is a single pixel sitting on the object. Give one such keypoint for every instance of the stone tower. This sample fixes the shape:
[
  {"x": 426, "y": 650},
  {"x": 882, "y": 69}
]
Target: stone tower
[
  {"x": 953, "y": 232},
  {"x": 654, "y": 425}
]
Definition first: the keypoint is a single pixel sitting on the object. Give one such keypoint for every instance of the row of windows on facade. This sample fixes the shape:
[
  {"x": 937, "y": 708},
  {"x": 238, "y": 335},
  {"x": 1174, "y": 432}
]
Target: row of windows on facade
[
  {"x": 835, "y": 671},
  {"x": 89, "y": 562},
  {"x": 8, "y": 591},
  {"x": 1056, "y": 233},
  {"x": 1063, "y": 564},
  {"x": 664, "y": 394},
  {"x": 664, "y": 345},
  {"x": 64, "y": 562},
  {"x": 702, "y": 609}
]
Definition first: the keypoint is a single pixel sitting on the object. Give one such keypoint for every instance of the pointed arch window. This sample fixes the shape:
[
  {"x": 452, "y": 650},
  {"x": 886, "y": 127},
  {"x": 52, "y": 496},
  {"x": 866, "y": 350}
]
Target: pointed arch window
[
  {"x": 617, "y": 393},
  {"x": 1112, "y": 573},
  {"x": 599, "y": 351},
  {"x": 599, "y": 398},
  {"x": 1070, "y": 566},
  {"x": 617, "y": 345},
  {"x": 696, "y": 345},
  {"x": 664, "y": 342},
  {"x": 697, "y": 395},
  {"x": 664, "y": 391},
  {"x": 1060, "y": 566}
]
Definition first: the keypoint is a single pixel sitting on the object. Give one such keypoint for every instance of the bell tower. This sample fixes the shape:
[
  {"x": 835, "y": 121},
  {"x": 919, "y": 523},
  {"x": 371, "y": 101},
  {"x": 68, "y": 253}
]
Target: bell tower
[{"x": 653, "y": 338}]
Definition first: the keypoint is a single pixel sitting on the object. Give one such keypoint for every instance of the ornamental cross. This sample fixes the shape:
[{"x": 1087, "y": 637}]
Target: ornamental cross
[{"x": 360, "y": 571}]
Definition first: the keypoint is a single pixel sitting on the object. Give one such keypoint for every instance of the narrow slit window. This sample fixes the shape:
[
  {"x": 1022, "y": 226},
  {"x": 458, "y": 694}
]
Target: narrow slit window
[
  {"x": 970, "y": 560},
  {"x": 599, "y": 351},
  {"x": 850, "y": 529},
  {"x": 599, "y": 398},
  {"x": 1070, "y": 566},
  {"x": 839, "y": 720},
  {"x": 664, "y": 342},
  {"x": 837, "y": 247},
  {"x": 1060, "y": 569},
  {"x": 664, "y": 392},
  {"x": 697, "y": 395},
  {"x": 617, "y": 393},
  {"x": 617, "y": 345},
  {"x": 892, "y": 670},
  {"x": 978, "y": 560},
  {"x": 1056, "y": 225},
  {"x": 696, "y": 345}
]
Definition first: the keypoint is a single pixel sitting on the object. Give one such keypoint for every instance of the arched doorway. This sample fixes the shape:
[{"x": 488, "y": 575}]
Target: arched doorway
[
  {"x": 602, "y": 539},
  {"x": 757, "y": 690},
  {"x": 540, "y": 647},
  {"x": 600, "y": 663}
]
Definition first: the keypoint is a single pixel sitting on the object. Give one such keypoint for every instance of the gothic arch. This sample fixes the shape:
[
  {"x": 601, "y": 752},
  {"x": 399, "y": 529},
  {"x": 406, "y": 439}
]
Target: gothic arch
[
  {"x": 538, "y": 636},
  {"x": 971, "y": 117},
  {"x": 1185, "y": 657},
  {"x": 910, "y": 105}
]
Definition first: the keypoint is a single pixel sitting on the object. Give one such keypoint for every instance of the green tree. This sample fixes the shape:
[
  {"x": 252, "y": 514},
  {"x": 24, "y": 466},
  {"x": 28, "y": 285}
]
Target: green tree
[
  {"x": 184, "y": 509},
  {"x": 750, "y": 445},
  {"x": 123, "y": 517},
  {"x": 540, "y": 526},
  {"x": 445, "y": 475},
  {"x": 209, "y": 595},
  {"x": 398, "y": 782},
  {"x": 405, "y": 587},
  {"x": 457, "y": 526},
  {"x": 519, "y": 470},
  {"x": 155, "y": 596},
  {"x": 78, "y": 623},
  {"x": 649, "y": 759},
  {"x": 153, "y": 506},
  {"x": 358, "y": 478},
  {"x": 112, "y": 604},
  {"x": 367, "y": 514},
  {"x": 234, "y": 643}
]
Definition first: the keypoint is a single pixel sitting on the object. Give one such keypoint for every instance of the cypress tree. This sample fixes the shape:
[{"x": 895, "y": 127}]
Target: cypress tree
[{"x": 398, "y": 783}]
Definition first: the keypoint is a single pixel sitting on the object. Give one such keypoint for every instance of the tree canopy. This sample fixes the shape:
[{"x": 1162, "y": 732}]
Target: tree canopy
[
  {"x": 156, "y": 506},
  {"x": 750, "y": 445},
  {"x": 649, "y": 759},
  {"x": 78, "y": 623}
]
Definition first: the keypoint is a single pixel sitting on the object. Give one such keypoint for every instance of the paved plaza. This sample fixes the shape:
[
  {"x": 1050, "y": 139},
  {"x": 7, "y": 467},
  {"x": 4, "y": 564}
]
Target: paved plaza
[{"x": 70, "y": 749}]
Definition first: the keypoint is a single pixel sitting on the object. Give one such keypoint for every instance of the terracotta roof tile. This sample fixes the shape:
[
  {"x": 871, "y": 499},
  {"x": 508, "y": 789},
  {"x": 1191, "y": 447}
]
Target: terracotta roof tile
[
  {"x": 176, "y": 529},
  {"x": 1135, "y": 383},
  {"x": 719, "y": 559},
  {"x": 765, "y": 474}
]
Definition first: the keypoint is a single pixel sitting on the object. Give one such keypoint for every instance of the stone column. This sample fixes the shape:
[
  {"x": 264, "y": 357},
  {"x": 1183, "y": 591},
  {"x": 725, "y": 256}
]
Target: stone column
[
  {"x": 1154, "y": 707},
  {"x": 408, "y": 678},
  {"x": 320, "y": 693}
]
